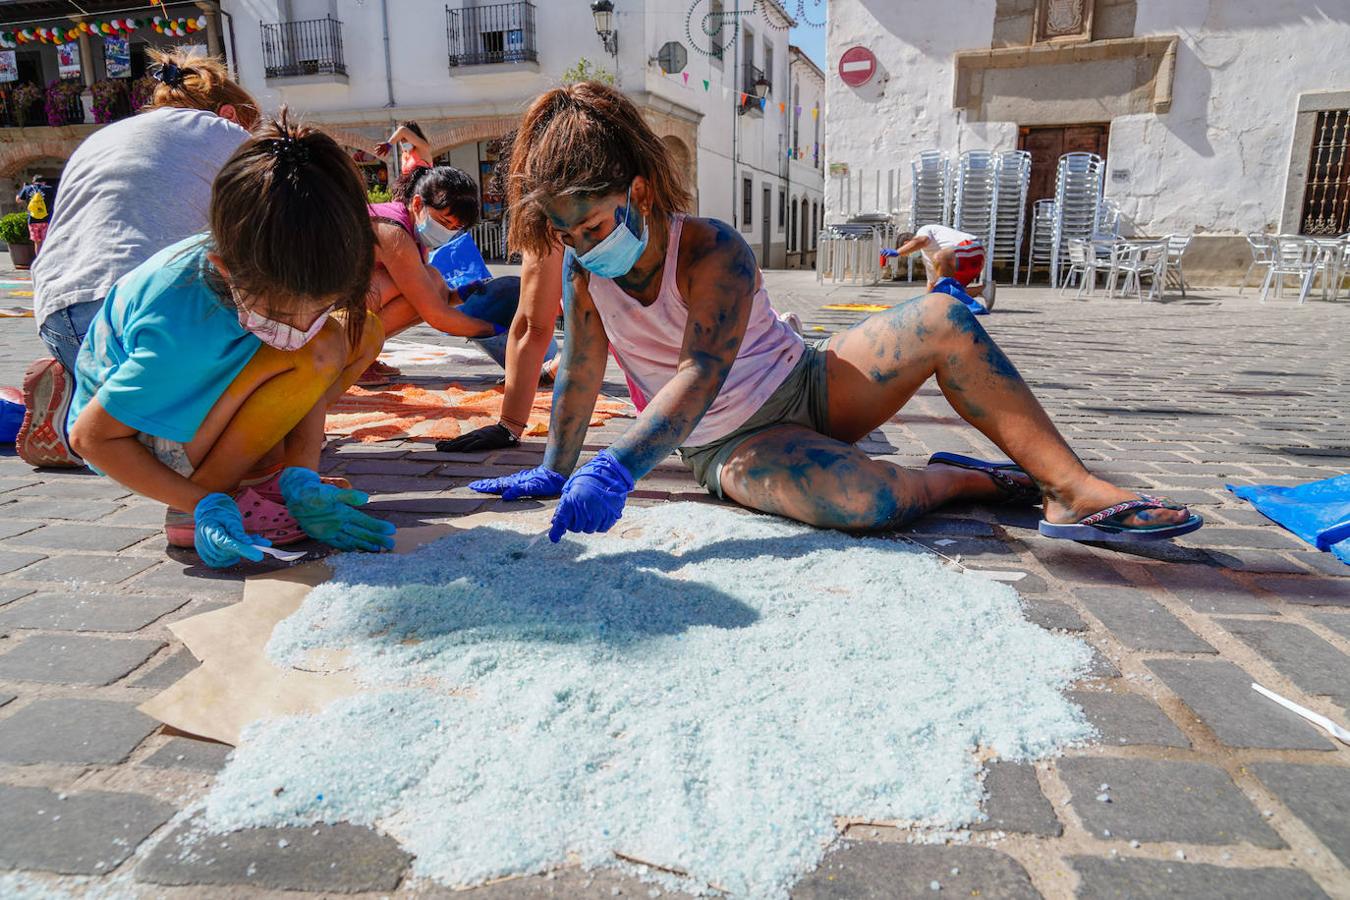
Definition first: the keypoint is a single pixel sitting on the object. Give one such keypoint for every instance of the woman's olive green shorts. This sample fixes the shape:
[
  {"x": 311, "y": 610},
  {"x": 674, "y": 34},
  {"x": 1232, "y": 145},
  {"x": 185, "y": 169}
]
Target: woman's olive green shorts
[{"x": 802, "y": 399}]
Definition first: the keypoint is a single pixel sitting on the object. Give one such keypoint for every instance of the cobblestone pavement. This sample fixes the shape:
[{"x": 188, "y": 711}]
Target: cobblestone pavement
[{"x": 1213, "y": 791}]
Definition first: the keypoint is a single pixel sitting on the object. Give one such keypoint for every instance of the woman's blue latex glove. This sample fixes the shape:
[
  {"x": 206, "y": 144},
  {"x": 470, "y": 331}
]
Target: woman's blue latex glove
[
  {"x": 219, "y": 535},
  {"x": 329, "y": 513},
  {"x": 593, "y": 498},
  {"x": 537, "y": 482}
]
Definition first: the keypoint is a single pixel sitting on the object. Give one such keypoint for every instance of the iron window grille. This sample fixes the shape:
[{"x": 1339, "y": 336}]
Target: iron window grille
[
  {"x": 485, "y": 35},
  {"x": 1326, "y": 199},
  {"x": 307, "y": 47}
]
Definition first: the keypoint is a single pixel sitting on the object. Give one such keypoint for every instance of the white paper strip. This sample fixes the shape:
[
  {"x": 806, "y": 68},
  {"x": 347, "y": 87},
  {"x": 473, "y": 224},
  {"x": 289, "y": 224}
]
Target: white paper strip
[
  {"x": 1321, "y": 721},
  {"x": 283, "y": 555}
]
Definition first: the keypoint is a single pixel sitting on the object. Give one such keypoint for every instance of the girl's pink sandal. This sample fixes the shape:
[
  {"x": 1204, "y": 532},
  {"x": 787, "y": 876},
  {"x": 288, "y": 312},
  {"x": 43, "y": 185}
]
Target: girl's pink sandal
[{"x": 261, "y": 515}]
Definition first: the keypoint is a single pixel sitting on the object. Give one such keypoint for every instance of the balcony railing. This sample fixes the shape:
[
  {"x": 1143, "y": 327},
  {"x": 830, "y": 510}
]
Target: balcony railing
[
  {"x": 484, "y": 35},
  {"x": 309, "y": 47}
]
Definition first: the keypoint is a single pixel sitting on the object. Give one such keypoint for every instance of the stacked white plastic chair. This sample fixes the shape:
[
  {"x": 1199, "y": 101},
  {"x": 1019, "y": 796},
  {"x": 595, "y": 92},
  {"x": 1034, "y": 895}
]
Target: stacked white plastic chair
[
  {"x": 1042, "y": 234},
  {"x": 930, "y": 193},
  {"x": 1078, "y": 196},
  {"x": 1013, "y": 173},
  {"x": 973, "y": 196},
  {"x": 849, "y": 254}
]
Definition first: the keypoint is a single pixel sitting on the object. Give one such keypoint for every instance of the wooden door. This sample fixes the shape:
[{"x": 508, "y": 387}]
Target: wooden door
[{"x": 1046, "y": 145}]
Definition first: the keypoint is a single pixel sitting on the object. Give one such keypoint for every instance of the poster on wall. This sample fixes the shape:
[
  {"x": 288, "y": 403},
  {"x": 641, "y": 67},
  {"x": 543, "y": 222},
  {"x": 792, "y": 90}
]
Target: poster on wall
[
  {"x": 9, "y": 68},
  {"x": 117, "y": 57},
  {"x": 68, "y": 60}
]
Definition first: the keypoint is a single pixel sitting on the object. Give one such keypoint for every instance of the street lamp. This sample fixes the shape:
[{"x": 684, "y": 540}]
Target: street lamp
[
  {"x": 762, "y": 87},
  {"x": 603, "y": 10}
]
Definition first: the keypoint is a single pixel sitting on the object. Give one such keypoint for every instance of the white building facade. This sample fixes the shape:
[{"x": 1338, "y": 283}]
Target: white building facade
[
  {"x": 1221, "y": 118},
  {"x": 806, "y": 163},
  {"x": 714, "y": 79}
]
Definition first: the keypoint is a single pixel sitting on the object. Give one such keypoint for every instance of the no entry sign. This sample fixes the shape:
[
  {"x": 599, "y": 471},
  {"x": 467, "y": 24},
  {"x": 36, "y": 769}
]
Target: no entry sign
[{"x": 857, "y": 66}]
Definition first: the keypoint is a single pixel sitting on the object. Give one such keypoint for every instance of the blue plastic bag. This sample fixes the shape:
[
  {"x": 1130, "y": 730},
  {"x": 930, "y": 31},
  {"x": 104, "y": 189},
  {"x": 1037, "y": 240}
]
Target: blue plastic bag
[
  {"x": 11, "y": 419},
  {"x": 953, "y": 287},
  {"x": 1318, "y": 512},
  {"x": 460, "y": 263}
]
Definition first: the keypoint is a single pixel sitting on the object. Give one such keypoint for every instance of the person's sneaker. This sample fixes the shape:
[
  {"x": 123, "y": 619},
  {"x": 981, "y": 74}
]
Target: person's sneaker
[{"x": 47, "y": 390}]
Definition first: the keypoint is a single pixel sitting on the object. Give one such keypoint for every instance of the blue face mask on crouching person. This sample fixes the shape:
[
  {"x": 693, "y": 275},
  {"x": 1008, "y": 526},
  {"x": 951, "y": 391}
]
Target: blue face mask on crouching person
[{"x": 616, "y": 255}]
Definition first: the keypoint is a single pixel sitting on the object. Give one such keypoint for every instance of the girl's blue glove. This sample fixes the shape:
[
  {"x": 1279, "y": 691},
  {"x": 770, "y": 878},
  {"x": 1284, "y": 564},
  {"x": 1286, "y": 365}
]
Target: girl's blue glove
[
  {"x": 219, "y": 536},
  {"x": 329, "y": 513},
  {"x": 537, "y": 482},
  {"x": 593, "y": 498}
]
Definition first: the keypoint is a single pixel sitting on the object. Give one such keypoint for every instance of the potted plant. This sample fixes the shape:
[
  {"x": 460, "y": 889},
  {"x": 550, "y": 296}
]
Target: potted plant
[
  {"x": 29, "y": 104},
  {"x": 14, "y": 232},
  {"x": 111, "y": 100},
  {"x": 63, "y": 102},
  {"x": 143, "y": 91}
]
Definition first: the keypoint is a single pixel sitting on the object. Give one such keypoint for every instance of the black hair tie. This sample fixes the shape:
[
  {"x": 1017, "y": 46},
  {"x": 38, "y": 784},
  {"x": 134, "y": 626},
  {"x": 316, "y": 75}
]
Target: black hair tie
[
  {"x": 170, "y": 74},
  {"x": 290, "y": 150}
]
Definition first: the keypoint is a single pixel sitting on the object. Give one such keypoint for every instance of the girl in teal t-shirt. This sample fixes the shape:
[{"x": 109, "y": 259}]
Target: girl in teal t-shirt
[{"x": 205, "y": 378}]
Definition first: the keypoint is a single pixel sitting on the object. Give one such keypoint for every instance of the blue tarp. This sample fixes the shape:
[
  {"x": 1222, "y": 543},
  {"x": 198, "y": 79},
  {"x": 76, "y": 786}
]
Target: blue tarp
[
  {"x": 460, "y": 262},
  {"x": 1318, "y": 512},
  {"x": 953, "y": 287}
]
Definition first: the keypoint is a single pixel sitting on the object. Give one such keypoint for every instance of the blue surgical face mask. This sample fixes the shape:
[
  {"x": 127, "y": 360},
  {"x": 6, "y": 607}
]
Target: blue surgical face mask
[
  {"x": 433, "y": 234},
  {"x": 616, "y": 255}
]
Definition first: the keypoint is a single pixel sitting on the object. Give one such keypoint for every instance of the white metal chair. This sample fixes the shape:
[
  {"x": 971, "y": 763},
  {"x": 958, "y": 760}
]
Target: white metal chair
[
  {"x": 1083, "y": 264},
  {"x": 1134, "y": 261},
  {"x": 1263, "y": 255},
  {"x": 1176, "y": 248},
  {"x": 1295, "y": 256}
]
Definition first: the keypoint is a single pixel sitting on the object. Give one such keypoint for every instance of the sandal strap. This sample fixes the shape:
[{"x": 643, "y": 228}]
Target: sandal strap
[
  {"x": 1011, "y": 487},
  {"x": 1128, "y": 506}
]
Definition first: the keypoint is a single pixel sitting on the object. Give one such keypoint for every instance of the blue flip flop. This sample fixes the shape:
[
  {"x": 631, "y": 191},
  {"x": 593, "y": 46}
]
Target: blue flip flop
[
  {"x": 1104, "y": 526},
  {"x": 1013, "y": 491}
]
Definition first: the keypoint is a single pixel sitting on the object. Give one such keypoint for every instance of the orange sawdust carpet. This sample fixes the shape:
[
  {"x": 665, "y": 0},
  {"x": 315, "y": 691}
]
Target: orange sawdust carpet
[{"x": 406, "y": 411}]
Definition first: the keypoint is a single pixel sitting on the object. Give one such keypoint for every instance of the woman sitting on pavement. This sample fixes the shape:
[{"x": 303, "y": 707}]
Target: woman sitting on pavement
[
  {"x": 206, "y": 376},
  {"x": 130, "y": 189},
  {"x": 759, "y": 416},
  {"x": 430, "y": 207}
]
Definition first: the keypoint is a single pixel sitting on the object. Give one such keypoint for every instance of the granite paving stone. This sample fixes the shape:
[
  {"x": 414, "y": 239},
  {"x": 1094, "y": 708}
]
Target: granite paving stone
[
  {"x": 80, "y": 537},
  {"x": 1308, "y": 589},
  {"x": 11, "y": 560},
  {"x": 89, "y": 487},
  {"x": 74, "y": 659},
  {"x": 168, "y": 672},
  {"x": 1209, "y": 590},
  {"x": 1221, "y": 695},
  {"x": 188, "y": 753},
  {"x": 11, "y": 592},
  {"x": 76, "y": 833},
  {"x": 44, "y": 509},
  {"x": 86, "y": 568},
  {"x": 875, "y": 871},
  {"x": 87, "y": 612},
  {"x": 10, "y": 527},
  {"x": 1301, "y": 656},
  {"x": 73, "y": 732},
  {"x": 1149, "y": 800},
  {"x": 1128, "y": 719},
  {"x": 1053, "y": 614},
  {"x": 1337, "y": 622},
  {"x": 344, "y": 859},
  {"x": 1014, "y": 801},
  {"x": 1317, "y": 795},
  {"x": 1140, "y": 622},
  {"x": 1152, "y": 879}
]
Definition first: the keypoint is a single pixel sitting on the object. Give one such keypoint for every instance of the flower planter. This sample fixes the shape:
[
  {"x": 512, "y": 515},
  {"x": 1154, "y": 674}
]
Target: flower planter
[{"x": 21, "y": 255}]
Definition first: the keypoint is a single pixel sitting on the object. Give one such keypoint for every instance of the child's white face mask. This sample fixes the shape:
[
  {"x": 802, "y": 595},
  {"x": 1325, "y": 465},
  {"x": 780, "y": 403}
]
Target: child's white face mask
[{"x": 281, "y": 335}]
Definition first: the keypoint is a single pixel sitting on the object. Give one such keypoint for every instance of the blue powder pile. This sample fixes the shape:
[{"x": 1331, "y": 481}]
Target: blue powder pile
[{"x": 701, "y": 689}]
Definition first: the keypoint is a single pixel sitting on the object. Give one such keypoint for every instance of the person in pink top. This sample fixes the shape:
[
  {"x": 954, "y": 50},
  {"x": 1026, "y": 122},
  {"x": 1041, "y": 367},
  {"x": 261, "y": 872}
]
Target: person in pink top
[{"x": 758, "y": 415}]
